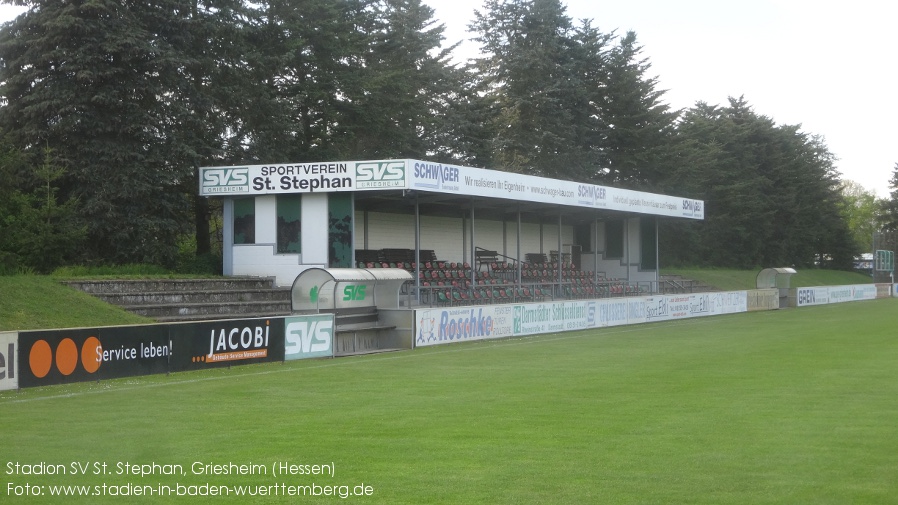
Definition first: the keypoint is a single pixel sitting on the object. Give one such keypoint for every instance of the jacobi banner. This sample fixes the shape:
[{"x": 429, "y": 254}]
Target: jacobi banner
[
  {"x": 88, "y": 354},
  {"x": 463, "y": 324},
  {"x": 9, "y": 361}
]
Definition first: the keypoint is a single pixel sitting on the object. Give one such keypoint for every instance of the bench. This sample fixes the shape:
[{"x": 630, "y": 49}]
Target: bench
[
  {"x": 358, "y": 331},
  {"x": 485, "y": 257}
]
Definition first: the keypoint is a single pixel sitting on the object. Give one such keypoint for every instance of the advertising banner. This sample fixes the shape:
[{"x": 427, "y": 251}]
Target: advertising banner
[
  {"x": 9, "y": 361},
  {"x": 88, "y": 354},
  {"x": 455, "y": 324},
  {"x": 616, "y": 311},
  {"x": 763, "y": 299},
  {"x": 309, "y": 336},
  {"x": 228, "y": 342},
  {"x": 444, "y": 178},
  {"x": 462, "y": 324},
  {"x": 246, "y": 180},
  {"x": 805, "y": 297},
  {"x": 535, "y": 318},
  {"x": 883, "y": 290},
  {"x": 822, "y": 295},
  {"x": 852, "y": 293},
  {"x": 728, "y": 302},
  {"x": 671, "y": 307}
]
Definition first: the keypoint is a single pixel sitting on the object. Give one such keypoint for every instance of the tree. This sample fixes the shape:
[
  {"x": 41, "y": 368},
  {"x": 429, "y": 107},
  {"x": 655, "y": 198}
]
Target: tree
[
  {"x": 771, "y": 193},
  {"x": 639, "y": 126},
  {"x": 86, "y": 77},
  {"x": 527, "y": 75},
  {"x": 861, "y": 210},
  {"x": 38, "y": 231},
  {"x": 890, "y": 207}
]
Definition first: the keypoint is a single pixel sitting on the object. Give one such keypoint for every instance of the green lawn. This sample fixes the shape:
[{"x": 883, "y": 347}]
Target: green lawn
[
  {"x": 34, "y": 302},
  {"x": 791, "y": 406},
  {"x": 737, "y": 280}
]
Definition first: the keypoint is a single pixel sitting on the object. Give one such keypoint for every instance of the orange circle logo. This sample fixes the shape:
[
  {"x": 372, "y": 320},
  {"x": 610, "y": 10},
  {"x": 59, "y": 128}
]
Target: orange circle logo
[
  {"x": 41, "y": 357},
  {"x": 66, "y": 356},
  {"x": 91, "y": 354}
]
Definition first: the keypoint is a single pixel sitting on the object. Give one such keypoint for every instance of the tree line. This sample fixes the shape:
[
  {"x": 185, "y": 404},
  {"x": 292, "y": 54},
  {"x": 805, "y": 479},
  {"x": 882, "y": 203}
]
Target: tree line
[{"x": 107, "y": 107}]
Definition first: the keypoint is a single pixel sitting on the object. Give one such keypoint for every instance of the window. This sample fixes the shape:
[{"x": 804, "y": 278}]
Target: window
[
  {"x": 648, "y": 240},
  {"x": 614, "y": 239},
  {"x": 245, "y": 220},
  {"x": 289, "y": 226},
  {"x": 339, "y": 207}
]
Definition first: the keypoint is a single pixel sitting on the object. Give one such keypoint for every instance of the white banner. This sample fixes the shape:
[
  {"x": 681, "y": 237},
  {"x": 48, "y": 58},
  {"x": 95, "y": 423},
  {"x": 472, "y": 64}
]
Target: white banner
[
  {"x": 443, "y": 178},
  {"x": 462, "y": 324},
  {"x": 852, "y": 293},
  {"x": 805, "y": 297},
  {"x": 823, "y": 295},
  {"x": 459, "y": 324},
  {"x": 9, "y": 365},
  {"x": 248, "y": 180}
]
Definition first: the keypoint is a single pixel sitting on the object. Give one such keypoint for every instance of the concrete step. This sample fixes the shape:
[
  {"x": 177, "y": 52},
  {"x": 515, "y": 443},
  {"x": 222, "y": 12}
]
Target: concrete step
[{"x": 192, "y": 299}]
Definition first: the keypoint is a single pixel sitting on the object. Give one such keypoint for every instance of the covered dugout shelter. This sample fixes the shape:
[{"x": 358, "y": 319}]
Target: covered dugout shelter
[{"x": 282, "y": 219}]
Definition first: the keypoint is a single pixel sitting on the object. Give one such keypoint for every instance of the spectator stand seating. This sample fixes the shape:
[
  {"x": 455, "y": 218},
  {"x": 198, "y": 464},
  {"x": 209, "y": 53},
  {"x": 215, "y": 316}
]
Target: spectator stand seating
[{"x": 446, "y": 283}]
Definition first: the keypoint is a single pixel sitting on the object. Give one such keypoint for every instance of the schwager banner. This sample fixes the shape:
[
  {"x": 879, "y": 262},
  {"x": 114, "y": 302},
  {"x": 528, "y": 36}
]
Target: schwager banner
[{"x": 9, "y": 361}]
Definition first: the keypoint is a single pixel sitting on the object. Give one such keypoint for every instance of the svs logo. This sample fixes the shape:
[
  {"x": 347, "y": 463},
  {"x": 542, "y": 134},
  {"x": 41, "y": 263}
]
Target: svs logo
[
  {"x": 354, "y": 293},
  {"x": 308, "y": 337},
  {"x": 225, "y": 180},
  {"x": 380, "y": 175}
]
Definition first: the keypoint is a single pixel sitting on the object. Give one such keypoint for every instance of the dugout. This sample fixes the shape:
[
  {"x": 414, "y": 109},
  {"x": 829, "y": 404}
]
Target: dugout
[
  {"x": 776, "y": 278},
  {"x": 283, "y": 219},
  {"x": 366, "y": 305}
]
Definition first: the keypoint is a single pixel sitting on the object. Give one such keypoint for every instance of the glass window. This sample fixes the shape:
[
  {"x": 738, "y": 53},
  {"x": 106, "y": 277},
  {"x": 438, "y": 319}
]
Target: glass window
[
  {"x": 648, "y": 243},
  {"x": 339, "y": 206},
  {"x": 614, "y": 239},
  {"x": 289, "y": 209},
  {"x": 245, "y": 220}
]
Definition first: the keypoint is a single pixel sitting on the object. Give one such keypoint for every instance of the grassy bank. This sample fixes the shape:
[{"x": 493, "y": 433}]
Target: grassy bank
[
  {"x": 32, "y": 302},
  {"x": 29, "y": 302},
  {"x": 734, "y": 280}
]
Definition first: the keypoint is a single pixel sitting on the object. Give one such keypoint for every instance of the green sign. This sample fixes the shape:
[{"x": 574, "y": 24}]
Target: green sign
[{"x": 884, "y": 261}]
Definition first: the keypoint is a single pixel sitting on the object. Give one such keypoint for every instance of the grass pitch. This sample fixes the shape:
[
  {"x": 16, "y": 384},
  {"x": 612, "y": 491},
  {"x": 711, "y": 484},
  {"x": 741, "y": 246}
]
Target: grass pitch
[{"x": 792, "y": 406}]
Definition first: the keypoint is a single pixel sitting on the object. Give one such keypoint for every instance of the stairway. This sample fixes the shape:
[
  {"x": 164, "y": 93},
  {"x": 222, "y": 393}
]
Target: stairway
[
  {"x": 677, "y": 284},
  {"x": 174, "y": 300}
]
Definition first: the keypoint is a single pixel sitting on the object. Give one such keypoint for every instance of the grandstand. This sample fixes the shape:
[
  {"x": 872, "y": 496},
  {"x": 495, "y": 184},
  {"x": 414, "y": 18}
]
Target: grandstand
[
  {"x": 467, "y": 235},
  {"x": 499, "y": 281}
]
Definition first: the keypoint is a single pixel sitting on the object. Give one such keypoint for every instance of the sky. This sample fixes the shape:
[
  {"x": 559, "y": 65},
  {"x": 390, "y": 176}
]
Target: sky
[{"x": 831, "y": 67}]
